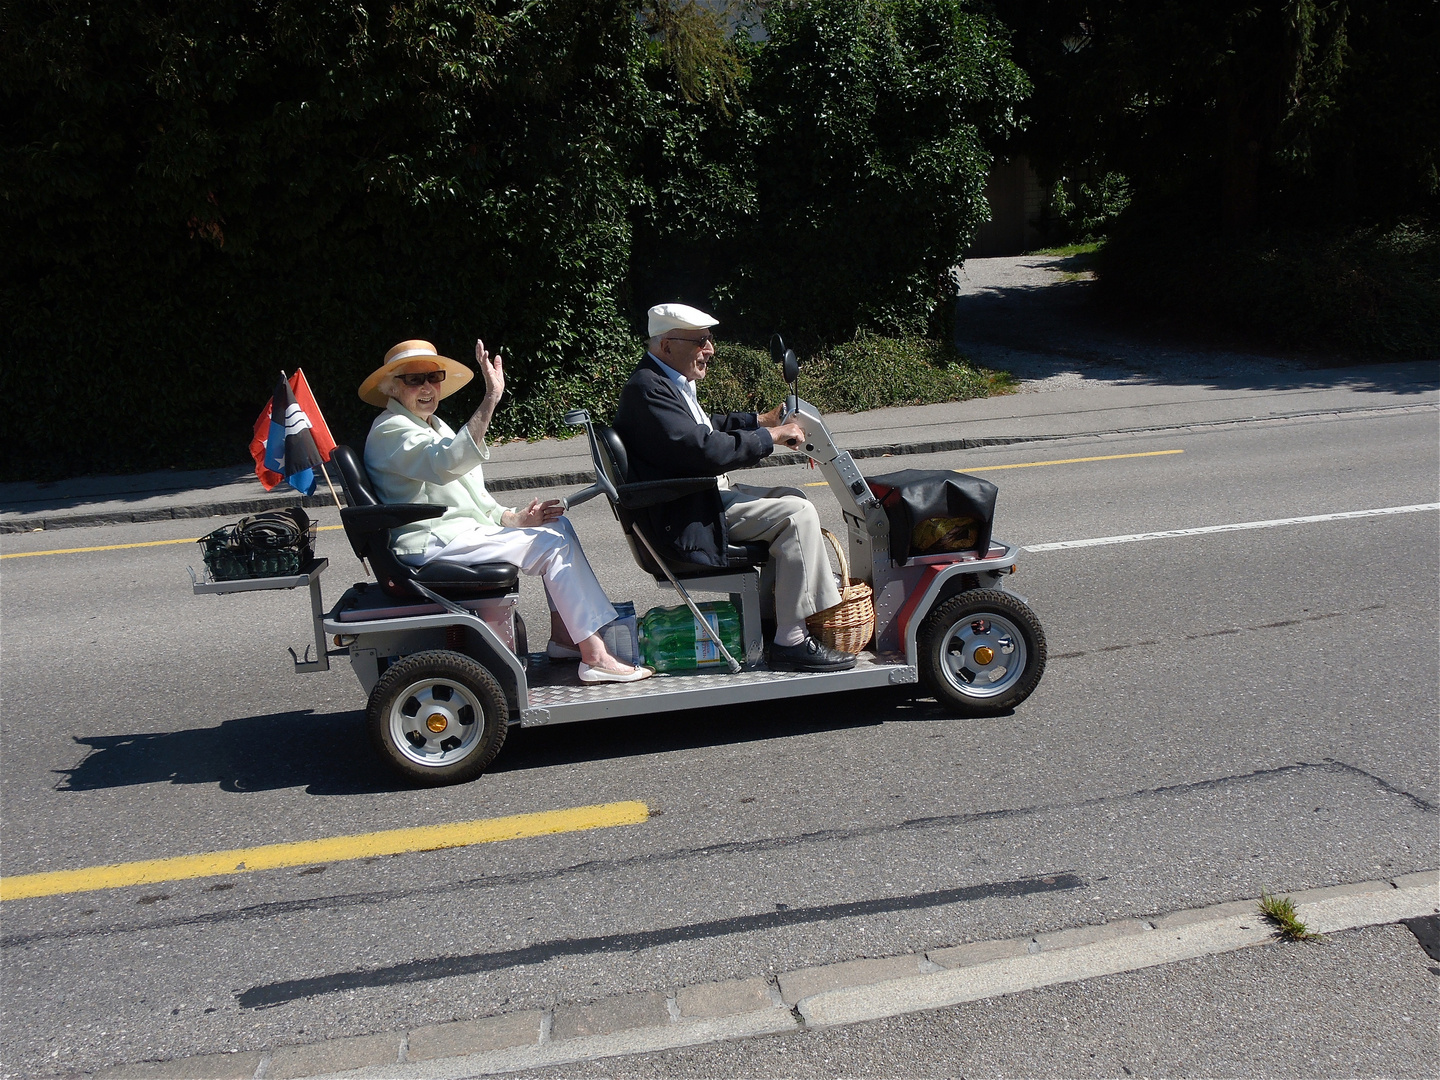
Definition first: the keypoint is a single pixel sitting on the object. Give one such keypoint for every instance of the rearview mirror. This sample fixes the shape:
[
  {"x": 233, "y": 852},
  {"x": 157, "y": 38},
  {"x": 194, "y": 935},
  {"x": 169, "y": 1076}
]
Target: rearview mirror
[
  {"x": 786, "y": 358},
  {"x": 777, "y": 348}
]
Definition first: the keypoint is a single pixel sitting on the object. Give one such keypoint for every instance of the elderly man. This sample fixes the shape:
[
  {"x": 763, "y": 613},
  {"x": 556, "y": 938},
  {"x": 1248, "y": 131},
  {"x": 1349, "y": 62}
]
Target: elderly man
[{"x": 668, "y": 435}]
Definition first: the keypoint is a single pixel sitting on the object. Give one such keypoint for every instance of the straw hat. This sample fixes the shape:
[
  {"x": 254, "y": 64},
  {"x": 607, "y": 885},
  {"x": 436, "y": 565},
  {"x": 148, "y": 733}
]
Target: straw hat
[{"x": 411, "y": 355}]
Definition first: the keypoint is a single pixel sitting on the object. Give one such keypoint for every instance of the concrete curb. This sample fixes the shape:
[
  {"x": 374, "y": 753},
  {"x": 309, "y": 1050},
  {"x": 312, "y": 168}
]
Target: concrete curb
[
  {"x": 843, "y": 993},
  {"x": 231, "y": 507}
]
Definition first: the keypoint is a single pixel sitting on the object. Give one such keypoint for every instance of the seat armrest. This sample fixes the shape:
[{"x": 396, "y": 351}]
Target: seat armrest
[
  {"x": 387, "y": 517},
  {"x": 654, "y": 492}
]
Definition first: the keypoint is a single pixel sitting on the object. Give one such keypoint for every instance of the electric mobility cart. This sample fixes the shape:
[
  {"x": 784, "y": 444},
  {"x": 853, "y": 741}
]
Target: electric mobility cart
[{"x": 442, "y": 653}]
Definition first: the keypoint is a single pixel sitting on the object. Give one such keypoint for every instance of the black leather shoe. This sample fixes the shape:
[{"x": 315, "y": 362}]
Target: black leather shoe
[{"x": 809, "y": 655}]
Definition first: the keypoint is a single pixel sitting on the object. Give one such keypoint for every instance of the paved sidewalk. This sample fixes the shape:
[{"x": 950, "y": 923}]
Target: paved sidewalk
[
  {"x": 1076, "y": 399},
  {"x": 1029, "y": 315},
  {"x": 812, "y": 999}
]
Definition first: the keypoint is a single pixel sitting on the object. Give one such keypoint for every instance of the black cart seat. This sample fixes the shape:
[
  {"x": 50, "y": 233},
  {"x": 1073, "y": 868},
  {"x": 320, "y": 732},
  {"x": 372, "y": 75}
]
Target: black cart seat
[
  {"x": 368, "y": 522},
  {"x": 635, "y": 497}
]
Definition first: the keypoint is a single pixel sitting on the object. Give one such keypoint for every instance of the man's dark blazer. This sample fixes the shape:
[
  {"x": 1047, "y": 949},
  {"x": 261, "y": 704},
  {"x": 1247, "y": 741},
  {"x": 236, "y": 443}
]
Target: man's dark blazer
[{"x": 664, "y": 441}]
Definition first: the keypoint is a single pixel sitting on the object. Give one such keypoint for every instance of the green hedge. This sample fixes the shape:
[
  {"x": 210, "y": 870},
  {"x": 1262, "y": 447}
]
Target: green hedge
[
  {"x": 199, "y": 195},
  {"x": 870, "y": 372},
  {"x": 1353, "y": 294}
]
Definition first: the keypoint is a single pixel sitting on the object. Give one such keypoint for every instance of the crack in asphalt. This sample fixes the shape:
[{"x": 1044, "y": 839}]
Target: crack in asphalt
[
  {"x": 276, "y": 909},
  {"x": 1224, "y": 632},
  {"x": 1384, "y": 785},
  {"x": 444, "y": 967}
]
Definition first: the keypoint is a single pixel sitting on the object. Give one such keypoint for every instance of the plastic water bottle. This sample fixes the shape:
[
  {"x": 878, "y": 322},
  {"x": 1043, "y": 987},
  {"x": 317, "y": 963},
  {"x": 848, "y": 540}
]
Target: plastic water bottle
[{"x": 671, "y": 639}]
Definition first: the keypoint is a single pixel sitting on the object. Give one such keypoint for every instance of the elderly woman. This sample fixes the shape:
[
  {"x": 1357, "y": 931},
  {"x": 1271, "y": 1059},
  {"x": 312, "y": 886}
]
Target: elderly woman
[{"x": 412, "y": 456}]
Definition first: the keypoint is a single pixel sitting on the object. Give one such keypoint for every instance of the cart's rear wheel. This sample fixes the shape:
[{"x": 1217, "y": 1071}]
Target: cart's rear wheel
[
  {"x": 981, "y": 652},
  {"x": 438, "y": 717}
]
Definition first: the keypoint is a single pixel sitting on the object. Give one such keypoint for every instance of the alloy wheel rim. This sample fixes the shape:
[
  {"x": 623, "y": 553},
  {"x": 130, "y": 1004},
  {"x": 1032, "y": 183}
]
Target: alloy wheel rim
[
  {"x": 983, "y": 655},
  {"x": 435, "y": 722}
]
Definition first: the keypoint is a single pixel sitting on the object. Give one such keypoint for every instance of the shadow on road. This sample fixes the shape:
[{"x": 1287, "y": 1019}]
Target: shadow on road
[
  {"x": 661, "y": 733},
  {"x": 330, "y": 754},
  {"x": 327, "y": 754}
]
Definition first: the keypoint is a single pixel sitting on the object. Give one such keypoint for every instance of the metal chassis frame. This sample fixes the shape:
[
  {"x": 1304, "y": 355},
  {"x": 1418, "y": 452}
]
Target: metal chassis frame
[
  {"x": 310, "y": 578},
  {"x": 928, "y": 592},
  {"x": 679, "y": 692},
  {"x": 668, "y": 693},
  {"x": 439, "y": 620}
]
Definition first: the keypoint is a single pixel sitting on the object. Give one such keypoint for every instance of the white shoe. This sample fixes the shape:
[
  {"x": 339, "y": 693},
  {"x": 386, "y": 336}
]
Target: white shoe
[
  {"x": 590, "y": 674},
  {"x": 555, "y": 651}
]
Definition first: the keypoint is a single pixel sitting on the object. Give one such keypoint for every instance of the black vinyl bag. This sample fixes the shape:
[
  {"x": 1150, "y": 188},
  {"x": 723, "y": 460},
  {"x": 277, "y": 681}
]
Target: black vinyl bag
[{"x": 935, "y": 512}]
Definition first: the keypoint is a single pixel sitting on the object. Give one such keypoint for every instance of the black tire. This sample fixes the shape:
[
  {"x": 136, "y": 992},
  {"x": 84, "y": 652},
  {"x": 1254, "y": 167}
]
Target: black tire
[
  {"x": 955, "y": 639},
  {"x": 444, "y": 688}
]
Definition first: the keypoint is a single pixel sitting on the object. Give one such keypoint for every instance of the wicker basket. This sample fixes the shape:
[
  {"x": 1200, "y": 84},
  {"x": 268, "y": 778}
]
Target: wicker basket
[{"x": 850, "y": 624}]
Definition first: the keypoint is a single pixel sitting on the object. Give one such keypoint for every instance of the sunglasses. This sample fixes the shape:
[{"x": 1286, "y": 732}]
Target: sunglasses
[
  {"x": 703, "y": 340},
  {"x": 420, "y": 378}
]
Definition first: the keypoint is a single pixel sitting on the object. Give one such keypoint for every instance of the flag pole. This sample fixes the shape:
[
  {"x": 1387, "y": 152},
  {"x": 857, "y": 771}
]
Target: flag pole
[
  {"x": 333, "y": 495},
  {"x": 324, "y": 471}
]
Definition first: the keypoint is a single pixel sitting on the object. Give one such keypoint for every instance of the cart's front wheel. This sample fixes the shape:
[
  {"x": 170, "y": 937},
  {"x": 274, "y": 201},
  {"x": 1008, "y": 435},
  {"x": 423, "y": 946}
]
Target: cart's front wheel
[
  {"x": 438, "y": 717},
  {"x": 981, "y": 652}
]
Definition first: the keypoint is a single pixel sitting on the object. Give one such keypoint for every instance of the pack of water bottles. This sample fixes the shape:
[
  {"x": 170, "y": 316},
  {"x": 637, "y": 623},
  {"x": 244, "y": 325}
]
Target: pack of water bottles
[{"x": 671, "y": 639}]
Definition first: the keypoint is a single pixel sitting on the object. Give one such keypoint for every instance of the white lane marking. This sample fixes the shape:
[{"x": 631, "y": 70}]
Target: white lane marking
[{"x": 1239, "y": 526}]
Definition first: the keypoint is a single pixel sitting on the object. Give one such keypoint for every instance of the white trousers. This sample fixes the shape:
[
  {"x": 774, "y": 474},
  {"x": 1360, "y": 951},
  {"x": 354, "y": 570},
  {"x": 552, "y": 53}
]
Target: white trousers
[
  {"x": 550, "y": 550},
  {"x": 804, "y": 582}
]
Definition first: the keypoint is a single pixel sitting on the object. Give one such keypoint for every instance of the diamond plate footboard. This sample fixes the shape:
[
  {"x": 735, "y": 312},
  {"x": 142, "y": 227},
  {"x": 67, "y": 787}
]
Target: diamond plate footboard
[{"x": 557, "y": 696}]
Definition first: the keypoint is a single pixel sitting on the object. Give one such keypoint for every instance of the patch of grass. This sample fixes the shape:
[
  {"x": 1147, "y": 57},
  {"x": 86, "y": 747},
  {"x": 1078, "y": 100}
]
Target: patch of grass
[
  {"x": 1280, "y": 910},
  {"x": 870, "y": 372},
  {"x": 1088, "y": 248}
]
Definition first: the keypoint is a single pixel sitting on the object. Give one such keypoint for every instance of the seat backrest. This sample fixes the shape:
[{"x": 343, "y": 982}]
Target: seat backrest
[
  {"x": 613, "y": 457},
  {"x": 356, "y": 481},
  {"x": 358, "y": 492}
]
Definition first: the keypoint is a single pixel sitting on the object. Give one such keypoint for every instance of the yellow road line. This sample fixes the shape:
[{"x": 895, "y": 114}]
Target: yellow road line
[
  {"x": 1073, "y": 461},
  {"x": 1037, "y": 464},
  {"x": 331, "y": 849},
  {"x": 117, "y": 547}
]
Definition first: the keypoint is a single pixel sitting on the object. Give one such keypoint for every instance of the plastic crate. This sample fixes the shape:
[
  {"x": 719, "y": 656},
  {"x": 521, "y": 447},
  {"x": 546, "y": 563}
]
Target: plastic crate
[{"x": 228, "y": 558}]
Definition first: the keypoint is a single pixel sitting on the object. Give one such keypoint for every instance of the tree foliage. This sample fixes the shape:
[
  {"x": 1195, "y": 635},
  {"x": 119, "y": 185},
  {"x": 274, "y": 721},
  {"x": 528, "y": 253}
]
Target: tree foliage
[
  {"x": 845, "y": 179},
  {"x": 874, "y": 121},
  {"x": 198, "y": 193},
  {"x": 1238, "y": 113},
  {"x": 1279, "y": 159}
]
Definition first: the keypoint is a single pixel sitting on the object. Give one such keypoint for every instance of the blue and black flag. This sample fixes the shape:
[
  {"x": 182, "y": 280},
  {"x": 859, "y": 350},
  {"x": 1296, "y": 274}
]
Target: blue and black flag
[{"x": 290, "y": 449}]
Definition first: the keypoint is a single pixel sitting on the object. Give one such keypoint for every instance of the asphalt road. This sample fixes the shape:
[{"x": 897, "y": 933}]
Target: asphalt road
[{"x": 1222, "y": 714}]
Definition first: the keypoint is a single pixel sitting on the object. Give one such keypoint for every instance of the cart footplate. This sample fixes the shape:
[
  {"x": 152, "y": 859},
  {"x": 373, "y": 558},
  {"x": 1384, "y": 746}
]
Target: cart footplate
[{"x": 557, "y": 696}]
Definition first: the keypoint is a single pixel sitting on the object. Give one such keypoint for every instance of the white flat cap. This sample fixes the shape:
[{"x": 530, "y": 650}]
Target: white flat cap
[{"x": 666, "y": 317}]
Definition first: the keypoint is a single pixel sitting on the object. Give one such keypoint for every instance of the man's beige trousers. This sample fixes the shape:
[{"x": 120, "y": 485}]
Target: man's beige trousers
[{"x": 804, "y": 582}]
